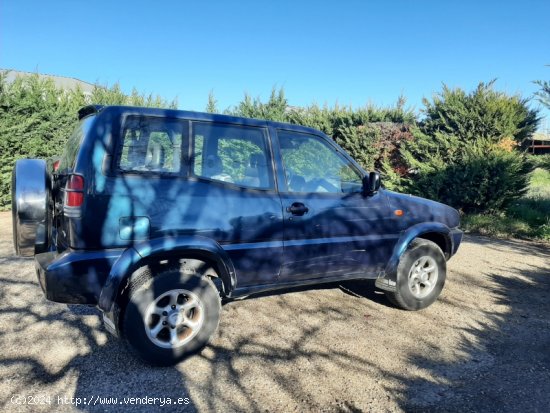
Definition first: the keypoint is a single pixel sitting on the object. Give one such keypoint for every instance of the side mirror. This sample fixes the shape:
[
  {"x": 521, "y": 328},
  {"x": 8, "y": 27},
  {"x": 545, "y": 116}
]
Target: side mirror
[{"x": 371, "y": 183}]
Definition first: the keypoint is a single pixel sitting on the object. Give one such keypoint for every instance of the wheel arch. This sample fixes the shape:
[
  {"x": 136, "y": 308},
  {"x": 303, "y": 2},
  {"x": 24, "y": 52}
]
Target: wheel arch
[
  {"x": 155, "y": 251},
  {"x": 433, "y": 231},
  {"x": 442, "y": 240}
]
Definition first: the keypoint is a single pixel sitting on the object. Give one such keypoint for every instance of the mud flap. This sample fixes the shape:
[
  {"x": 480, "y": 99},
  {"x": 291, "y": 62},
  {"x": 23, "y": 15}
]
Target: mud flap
[
  {"x": 110, "y": 325},
  {"x": 385, "y": 284}
]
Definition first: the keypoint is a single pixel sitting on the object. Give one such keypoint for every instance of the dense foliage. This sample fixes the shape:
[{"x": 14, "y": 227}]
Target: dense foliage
[
  {"x": 482, "y": 114},
  {"x": 465, "y": 151},
  {"x": 540, "y": 161},
  {"x": 480, "y": 179},
  {"x": 372, "y": 135},
  {"x": 36, "y": 118}
]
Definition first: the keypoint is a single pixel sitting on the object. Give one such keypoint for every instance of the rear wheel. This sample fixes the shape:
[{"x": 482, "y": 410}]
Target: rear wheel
[
  {"x": 170, "y": 316},
  {"x": 420, "y": 276}
]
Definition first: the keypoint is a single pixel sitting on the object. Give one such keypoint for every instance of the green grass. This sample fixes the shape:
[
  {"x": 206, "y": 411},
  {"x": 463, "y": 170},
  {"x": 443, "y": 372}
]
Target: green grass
[
  {"x": 540, "y": 183},
  {"x": 540, "y": 161},
  {"x": 529, "y": 217}
]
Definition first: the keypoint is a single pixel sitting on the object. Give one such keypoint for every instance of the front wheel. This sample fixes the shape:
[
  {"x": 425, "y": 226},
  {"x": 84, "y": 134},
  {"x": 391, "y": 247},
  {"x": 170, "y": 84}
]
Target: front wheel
[
  {"x": 170, "y": 316},
  {"x": 421, "y": 276}
]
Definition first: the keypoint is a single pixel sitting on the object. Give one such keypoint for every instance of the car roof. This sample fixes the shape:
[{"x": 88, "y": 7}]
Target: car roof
[{"x": 191, "y": 115}]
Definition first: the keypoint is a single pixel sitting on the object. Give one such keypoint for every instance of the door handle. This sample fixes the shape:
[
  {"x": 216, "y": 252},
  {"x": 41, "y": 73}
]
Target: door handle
[{"x": 297, "y": 208}]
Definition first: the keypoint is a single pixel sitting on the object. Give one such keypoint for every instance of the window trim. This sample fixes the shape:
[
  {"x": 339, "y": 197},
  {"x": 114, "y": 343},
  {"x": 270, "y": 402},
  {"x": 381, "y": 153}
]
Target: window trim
[
  {"x": 331, "y": 144},
  {"x": 233, "y": 185}
]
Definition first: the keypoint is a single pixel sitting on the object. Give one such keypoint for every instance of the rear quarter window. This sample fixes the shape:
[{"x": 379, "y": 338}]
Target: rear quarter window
[
  {"x": 72, "y": 146},
  {"x": 150, "y": 145}
]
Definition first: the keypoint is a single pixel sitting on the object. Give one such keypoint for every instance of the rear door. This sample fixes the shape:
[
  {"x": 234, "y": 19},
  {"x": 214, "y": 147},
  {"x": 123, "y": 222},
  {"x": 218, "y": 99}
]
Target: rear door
[
  {"x": 220, "y": 186},
  {"x": 235, "y": 197},
  {"x": 331, "y": 228}
]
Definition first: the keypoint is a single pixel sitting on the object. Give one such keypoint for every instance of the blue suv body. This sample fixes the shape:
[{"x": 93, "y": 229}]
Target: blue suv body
[{"x": 247, "y": 205}]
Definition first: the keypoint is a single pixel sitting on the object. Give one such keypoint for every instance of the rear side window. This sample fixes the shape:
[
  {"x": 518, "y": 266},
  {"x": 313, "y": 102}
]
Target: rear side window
[
  {"x": 151, "y": 145},
  {"x": 73, "y": 143},
  {"x": 233, "y": 154}
]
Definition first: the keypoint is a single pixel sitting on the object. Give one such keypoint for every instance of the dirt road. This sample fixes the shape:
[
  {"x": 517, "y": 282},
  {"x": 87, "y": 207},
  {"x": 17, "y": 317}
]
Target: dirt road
[{"x": 484, "y": 346}]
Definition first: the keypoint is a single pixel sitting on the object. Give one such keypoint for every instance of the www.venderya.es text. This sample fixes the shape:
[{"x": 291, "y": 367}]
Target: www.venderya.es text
[{"x": 94, "y": 400}]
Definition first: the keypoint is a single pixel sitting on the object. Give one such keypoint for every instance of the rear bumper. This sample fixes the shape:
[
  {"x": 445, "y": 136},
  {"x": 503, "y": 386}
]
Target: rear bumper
[{"x": 74, "y": 277}]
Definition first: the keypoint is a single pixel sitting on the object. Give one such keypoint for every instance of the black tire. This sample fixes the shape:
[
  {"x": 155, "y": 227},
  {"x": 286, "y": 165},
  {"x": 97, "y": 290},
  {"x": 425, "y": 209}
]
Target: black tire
[
  {"x": 144, "y": 290},
  {"x": 404, "y": 297}
]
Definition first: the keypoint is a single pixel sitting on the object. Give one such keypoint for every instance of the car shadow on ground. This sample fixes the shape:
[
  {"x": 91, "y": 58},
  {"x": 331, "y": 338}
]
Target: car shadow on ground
[{"x": 356, "y": 288}]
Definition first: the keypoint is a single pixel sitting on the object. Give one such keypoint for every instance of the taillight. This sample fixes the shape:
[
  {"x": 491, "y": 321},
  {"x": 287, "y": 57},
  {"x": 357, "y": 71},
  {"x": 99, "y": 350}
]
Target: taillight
[{"x": 74, "y": 191}]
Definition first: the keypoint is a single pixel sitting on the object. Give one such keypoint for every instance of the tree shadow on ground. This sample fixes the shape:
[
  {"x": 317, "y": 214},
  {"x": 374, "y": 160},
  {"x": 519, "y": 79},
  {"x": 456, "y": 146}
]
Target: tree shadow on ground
[
  {"x": 503, "y": 363},
  {"x": 500, "y": 362},
  {"x": 63, "y": 350}
]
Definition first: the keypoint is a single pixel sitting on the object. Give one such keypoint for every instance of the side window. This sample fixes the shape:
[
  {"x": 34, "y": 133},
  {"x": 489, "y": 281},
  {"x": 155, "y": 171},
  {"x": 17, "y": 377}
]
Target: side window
[
  {"x": 312, "y": 165},
  {"x": 73, "y": 143},
  {"x": 151, "y": 145},
  {"x": 234, "y": 154}
]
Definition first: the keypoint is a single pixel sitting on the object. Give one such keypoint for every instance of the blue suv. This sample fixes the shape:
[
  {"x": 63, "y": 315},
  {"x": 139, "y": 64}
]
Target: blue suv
[{"x": 156, "y": 216}]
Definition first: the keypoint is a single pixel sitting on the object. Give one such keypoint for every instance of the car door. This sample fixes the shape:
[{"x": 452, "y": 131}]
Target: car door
[
  {"x": 331, "y": 229},
  {"x": 196, "y": 178},
  {"x": 235, "y": 197}
]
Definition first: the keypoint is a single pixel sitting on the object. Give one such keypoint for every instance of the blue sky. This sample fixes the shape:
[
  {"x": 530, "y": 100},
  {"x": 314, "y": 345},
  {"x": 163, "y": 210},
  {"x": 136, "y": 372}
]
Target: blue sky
[{"x": 351, "y": 52}]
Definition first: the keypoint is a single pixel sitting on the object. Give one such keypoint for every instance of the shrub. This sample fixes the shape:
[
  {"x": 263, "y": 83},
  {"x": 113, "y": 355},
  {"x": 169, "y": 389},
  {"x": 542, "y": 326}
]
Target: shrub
[
  {"x": 36, "y": 119},
  {"x": 462, "y": 152},
  {"x": 540, "y": 161},
  {"x": 372, "y": 135},
  {"x": 376, "y": 145},
  {"x": 361, "y": 142},
  {"x": 482, "y": 114},
  {"x": 479, "y": 181},
  {"x": 528, "y": 217}
]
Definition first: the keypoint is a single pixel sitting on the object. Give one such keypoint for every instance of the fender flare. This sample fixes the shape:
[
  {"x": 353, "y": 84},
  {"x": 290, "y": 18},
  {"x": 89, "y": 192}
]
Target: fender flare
[
  {"x": 405, "y": 239},
  {"x": 134, "y": 257}
]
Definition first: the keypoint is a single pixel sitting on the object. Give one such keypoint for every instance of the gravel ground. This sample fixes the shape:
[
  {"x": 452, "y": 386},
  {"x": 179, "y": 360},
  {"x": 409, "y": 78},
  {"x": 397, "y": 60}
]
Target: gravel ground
[{"x": 484, "y": 346}]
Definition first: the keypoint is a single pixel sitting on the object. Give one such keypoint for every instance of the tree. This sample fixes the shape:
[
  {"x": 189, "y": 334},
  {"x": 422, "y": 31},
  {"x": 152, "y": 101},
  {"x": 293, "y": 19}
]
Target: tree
[
  {"x": 212, "y": 105},
  {"x": 371, "y": 134},
  {"x": 461, "y": 153},
  {"x": 543, "y": 95},
  {"x": 274, "y": 109},
  {"x": 36, "y": 118},
  {"x": 483, "y": 113}
]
